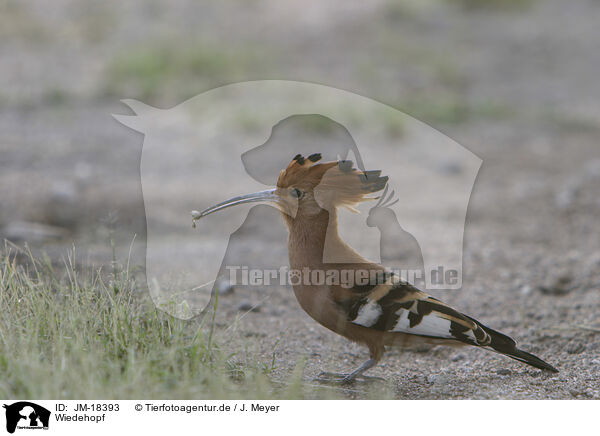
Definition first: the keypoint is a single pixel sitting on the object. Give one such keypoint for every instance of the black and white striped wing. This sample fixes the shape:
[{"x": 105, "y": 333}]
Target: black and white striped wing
[
  {"x": 392, "y": 305},
  {"x": 396, "y": 306}
]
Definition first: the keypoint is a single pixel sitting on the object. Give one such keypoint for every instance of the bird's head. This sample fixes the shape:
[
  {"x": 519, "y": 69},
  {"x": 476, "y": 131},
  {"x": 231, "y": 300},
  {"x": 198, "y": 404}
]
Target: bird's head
[{"x": 306, "y": 187}]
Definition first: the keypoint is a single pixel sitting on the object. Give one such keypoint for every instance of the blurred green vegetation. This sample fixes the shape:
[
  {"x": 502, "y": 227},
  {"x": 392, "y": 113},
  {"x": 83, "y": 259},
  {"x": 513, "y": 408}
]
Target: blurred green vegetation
[
  {"x": 508, "y": 5},
  {"x": 455, "y": 110},
  {"x": 175, "y": 71}
]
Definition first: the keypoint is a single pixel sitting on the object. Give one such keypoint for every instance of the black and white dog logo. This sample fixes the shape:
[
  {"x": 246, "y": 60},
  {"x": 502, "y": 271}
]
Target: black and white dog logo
[{"x": 26, "y": 415}]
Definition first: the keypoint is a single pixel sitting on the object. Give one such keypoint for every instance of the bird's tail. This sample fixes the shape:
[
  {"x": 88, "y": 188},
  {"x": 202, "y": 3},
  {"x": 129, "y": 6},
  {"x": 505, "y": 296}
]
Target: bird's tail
[{"x": 504, "y": 345}]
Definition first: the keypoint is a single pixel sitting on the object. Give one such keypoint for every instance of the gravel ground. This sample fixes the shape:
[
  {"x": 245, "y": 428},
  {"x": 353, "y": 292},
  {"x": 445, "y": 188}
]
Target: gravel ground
[{"x": 517, "y": 86}]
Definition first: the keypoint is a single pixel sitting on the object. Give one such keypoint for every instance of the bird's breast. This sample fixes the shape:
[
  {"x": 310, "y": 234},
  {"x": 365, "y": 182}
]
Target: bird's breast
[{"x": 317, "y": 302}]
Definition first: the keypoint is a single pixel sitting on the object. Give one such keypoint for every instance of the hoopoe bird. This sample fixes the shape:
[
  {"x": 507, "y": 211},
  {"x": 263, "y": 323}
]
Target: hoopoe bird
[{"x": 386, "y": 311}]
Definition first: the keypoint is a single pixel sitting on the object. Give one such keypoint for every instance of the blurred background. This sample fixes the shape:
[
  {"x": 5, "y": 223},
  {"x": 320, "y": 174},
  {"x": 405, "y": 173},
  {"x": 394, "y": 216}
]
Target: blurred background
[{"x": 514, "y": 81}]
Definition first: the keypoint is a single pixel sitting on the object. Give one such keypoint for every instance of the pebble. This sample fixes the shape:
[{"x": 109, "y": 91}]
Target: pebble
[
  {"x": 561, "y": 286},
  {"x": 438, "y": 380},
  {"x": 504, "y": 371},
  {"x": 451, "y": 168},
  {"x": 575, "y": 348},
  {"x": 457, "y": 357},
  {"x": 63, "y": 204},
  {"x": 225, "y": 288},
  {"x": 526, "y": 290},
  {"x": 575, "y": 393},
  {"x": 248, "y": 307},
  {"x": 17, "y": 231}
]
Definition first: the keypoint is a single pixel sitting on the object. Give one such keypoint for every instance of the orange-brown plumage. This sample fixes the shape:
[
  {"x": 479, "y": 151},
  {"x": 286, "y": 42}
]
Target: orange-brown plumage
[{"x": 384, "y": 311}]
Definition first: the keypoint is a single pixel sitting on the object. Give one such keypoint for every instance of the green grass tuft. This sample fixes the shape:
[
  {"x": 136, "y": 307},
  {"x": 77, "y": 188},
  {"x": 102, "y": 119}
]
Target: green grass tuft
[{"x": 80, "y": 333}]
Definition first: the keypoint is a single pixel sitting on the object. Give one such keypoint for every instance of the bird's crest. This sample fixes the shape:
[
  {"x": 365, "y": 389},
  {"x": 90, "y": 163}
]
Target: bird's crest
[{"x": 335, "y": 183}]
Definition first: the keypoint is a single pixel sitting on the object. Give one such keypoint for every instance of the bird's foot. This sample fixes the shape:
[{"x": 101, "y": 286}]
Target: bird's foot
[{"x": 343, "y": 378}]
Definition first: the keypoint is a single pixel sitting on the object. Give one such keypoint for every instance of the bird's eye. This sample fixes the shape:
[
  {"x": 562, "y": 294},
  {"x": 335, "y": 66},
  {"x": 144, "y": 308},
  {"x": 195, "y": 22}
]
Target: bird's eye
[{"x": 296, "y": 193}]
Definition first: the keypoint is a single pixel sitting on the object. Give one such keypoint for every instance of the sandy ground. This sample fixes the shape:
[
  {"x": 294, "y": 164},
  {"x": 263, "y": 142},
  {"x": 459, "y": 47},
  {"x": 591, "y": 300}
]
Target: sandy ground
[{"x": 516, "y": 86}]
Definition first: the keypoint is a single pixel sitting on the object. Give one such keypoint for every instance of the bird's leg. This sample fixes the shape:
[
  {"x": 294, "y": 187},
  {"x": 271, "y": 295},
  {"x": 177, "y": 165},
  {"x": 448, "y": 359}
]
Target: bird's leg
[
  {"x": 349, "y": 378},
  {"x": 359, "y": 371}
]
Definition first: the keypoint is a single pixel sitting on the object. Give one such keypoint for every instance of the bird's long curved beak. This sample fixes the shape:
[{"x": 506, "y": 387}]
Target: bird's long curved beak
[{"x": 266, "y": 196}]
